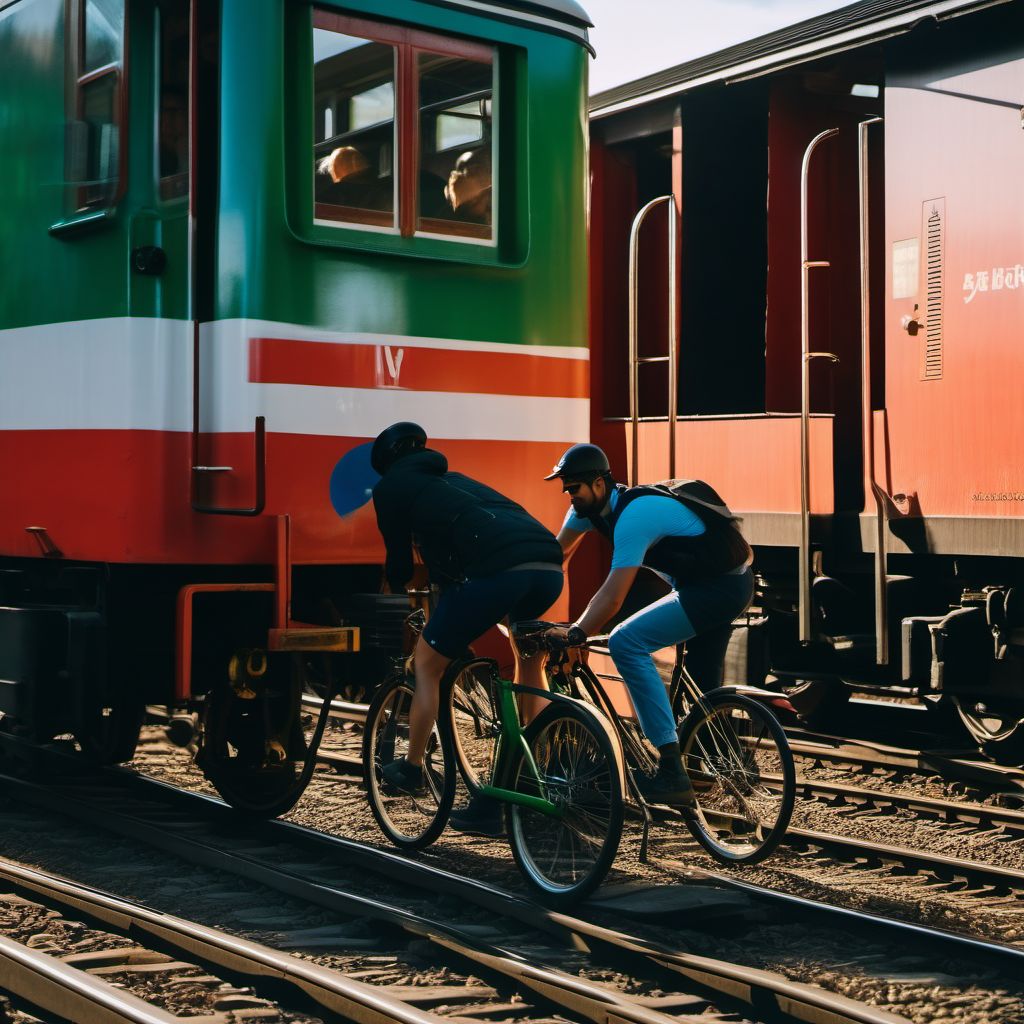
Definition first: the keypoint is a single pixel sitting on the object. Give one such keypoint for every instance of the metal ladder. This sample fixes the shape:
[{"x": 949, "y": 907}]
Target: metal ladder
[
  {"x": 871, "y": 486},
  {"x": 672, "y": 357}
]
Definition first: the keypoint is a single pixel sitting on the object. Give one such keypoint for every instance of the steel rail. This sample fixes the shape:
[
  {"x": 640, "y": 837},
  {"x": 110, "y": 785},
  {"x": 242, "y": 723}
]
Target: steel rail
[
  {"x": 985, "y": 949},
  {"x": 344, "y": 710},
  {"x": 986, "y": 874},
  {"x": 880, "y": 755},
  {"x": 983, "y": 816},
  {"x": 764, "y": 990},
  {"x": 353, "y": 999},
  {"x": 47, "y": 983}
]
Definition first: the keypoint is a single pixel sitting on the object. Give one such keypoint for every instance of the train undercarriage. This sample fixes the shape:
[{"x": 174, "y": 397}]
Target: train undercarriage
[
  {"x": 85, "y": 648},
  {"x": 953, "y": 641}
]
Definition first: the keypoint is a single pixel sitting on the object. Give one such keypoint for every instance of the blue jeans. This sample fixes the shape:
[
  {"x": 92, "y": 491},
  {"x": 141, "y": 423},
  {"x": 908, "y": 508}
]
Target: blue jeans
[{"x": 677, "y": 617}]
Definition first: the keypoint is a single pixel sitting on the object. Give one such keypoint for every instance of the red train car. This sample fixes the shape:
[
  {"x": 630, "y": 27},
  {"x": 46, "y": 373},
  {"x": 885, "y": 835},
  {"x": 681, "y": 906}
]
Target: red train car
[{"x": 843, "y": 301}]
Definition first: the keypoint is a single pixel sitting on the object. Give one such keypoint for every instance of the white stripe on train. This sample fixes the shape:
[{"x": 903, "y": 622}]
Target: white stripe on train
[{"x": 131, "y": 373}]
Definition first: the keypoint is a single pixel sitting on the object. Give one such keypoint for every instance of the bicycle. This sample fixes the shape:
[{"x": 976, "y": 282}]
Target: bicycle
[
  {"x": 734, "y": 750},
  {"x": 560, "y": 778}
]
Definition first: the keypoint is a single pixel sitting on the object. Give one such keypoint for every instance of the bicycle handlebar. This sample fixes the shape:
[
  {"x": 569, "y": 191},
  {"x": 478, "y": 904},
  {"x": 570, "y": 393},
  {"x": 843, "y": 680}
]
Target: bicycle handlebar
[{"x": 539, "y": 637}]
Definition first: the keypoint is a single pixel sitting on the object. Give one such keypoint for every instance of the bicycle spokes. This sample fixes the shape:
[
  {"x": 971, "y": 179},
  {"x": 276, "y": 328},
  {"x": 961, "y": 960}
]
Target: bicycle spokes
[
  {"x": 737, "y": 762},
  {"x": 576, "y": 772},
  {"x": 407, "y": 818}
]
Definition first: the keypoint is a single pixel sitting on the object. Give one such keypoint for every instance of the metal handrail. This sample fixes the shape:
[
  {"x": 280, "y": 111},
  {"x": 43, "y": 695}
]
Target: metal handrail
[
  {"x": 806, "y": 265},
  {"x": 673, "y": 334},
  {"x": 870, "y": 483}
]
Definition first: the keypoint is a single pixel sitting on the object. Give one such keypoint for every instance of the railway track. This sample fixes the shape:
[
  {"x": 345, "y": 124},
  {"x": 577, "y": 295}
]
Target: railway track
[
  {"x": 257, "y": 855},
  {"x": 959, "y": 766},
  {"x": 1008, "y": 823},
  {"x": 160, "y": 953},
  {"x": 1005, "y": 781},
  {"x": 555, "y": 960},
  {"x": 986, "y": 881}
]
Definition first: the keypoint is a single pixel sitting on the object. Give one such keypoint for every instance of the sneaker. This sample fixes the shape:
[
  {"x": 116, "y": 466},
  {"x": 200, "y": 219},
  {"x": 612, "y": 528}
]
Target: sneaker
[
  {"x": 484, "y": 816},
  {"x": 671, "y": 789},
  {"x": 402, "y": 777}
]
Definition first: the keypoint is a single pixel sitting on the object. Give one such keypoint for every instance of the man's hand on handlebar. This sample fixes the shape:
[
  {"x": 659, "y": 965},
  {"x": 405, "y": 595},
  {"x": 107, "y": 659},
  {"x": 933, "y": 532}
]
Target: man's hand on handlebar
[{"x": 567, "y": 636}]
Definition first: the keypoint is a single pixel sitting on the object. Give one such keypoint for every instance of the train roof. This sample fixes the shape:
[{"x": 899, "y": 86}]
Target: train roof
[
  {"x": 564, "y": 17},
  {"x": 842, "y": 29}
]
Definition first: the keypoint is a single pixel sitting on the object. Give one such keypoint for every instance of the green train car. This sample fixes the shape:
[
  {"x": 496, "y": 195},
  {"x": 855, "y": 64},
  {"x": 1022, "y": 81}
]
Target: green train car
[{"x": 239, "y": 239}]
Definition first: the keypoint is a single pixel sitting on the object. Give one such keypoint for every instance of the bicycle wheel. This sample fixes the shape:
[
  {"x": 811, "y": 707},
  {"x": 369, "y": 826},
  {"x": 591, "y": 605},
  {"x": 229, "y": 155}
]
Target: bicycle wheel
[
  {"x": 409, "y": 821},
  {"x": 565, "y": 858},
  {"x": 739, "y": 761},
  {"x": 475, "y": 725}
]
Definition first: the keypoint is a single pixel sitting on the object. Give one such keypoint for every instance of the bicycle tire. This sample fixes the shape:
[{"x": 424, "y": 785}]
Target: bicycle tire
[
  {"x": 564, "y": 859},
  {"x": 410, "y": 822},
  {"x": 738, "y": 757}
]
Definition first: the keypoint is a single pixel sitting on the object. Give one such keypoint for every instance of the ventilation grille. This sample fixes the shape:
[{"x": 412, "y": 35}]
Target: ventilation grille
[{"x": 933, "y": 293}]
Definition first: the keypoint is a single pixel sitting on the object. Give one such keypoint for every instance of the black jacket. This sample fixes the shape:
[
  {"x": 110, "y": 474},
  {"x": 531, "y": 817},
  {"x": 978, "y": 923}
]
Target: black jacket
[{"x": 463, "y": 528}]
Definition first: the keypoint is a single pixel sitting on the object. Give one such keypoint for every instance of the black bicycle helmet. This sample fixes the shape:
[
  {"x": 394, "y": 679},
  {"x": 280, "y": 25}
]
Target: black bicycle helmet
[
  {"x": 581, "y": 461},
  {"x": 395, "y": 441}
]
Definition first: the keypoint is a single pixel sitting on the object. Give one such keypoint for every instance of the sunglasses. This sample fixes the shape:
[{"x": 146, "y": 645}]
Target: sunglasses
[{"x": 572, "y": 489}]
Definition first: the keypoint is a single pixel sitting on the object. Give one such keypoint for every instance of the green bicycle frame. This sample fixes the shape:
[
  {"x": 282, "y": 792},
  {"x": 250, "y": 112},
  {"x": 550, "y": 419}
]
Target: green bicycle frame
[{"x": 511, "y": 737}]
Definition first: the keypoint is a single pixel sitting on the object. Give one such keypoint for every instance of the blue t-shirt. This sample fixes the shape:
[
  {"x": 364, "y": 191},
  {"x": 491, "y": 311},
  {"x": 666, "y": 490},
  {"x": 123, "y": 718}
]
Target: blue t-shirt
[{"x": 645, "y": 521}]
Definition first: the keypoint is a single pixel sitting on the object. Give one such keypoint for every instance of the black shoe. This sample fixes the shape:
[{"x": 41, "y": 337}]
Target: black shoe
[
  {"x": 667, "y": 788},
  {"x": 670, "y": 785},
  {"x": 402, "y": 777},
  {"x": 483, "y": 817}
]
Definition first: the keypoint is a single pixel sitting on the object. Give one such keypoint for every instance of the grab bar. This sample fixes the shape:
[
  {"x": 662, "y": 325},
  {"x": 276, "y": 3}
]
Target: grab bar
[
  {"x": 672, "y": 358},
  {"x": 806, "y": 265}
]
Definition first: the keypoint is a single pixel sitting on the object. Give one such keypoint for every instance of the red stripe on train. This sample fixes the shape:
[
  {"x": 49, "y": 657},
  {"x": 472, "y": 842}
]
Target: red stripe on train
[{"x": 330, "y": 364}]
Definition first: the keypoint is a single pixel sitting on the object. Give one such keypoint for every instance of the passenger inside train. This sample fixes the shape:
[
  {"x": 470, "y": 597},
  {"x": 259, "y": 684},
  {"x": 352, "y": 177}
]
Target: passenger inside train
[
  {"x": 355, "y": 182},
  {"x": 469, "y": 187}
]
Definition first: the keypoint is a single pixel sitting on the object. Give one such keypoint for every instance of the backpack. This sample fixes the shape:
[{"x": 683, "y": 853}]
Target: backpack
[
  {"x": 727, "y": 547},
  {"x": 719, "y": 550}
]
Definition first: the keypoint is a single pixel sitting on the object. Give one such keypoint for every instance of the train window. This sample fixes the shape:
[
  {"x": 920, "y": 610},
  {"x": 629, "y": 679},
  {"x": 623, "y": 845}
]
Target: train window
[
  {"x": 455, "y": 97},
  {"x": 172, "y": 127},
  {"x": 402, "y": 129},
  {"x": 104, "y": 29},
  {"x": 354, "y": 142},
  {"x": 94, "y": 147}
]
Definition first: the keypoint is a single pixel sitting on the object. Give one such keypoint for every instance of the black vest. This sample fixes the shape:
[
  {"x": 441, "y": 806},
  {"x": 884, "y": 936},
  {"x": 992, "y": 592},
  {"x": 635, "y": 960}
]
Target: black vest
[{"x": 721, "y": 548}]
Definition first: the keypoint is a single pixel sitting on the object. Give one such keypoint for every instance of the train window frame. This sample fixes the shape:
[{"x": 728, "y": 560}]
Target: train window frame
[
  {"x": 79, "y": 78},
  {"x": 408, "y": 43},
  {"x": 174, "y": 187}
]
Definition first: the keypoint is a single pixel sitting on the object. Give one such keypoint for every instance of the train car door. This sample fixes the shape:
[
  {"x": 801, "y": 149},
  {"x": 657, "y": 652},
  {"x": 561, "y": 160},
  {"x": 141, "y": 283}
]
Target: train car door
[{"x": 187, "y": 48}]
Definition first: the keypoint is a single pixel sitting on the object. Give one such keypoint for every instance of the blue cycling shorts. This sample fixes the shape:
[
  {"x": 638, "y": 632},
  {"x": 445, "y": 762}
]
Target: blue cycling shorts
[{"x": 466, "y": 611}]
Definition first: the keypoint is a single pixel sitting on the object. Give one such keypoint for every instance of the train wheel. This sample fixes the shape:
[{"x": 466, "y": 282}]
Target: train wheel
[
  {"x": 110, "y": 732},
  {"x": 255, "y": 737},
  {"x": 821, "y": 703},
  {"x": 998, "y": 731}
]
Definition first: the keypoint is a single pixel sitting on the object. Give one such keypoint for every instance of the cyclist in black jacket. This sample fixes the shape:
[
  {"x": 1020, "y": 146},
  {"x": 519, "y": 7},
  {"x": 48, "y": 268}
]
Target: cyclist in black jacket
[{"x": 492, "y": 561}]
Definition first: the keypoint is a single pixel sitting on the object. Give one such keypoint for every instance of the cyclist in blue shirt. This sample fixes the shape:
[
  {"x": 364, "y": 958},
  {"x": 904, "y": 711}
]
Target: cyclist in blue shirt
[{"x": 707, "y": 564}]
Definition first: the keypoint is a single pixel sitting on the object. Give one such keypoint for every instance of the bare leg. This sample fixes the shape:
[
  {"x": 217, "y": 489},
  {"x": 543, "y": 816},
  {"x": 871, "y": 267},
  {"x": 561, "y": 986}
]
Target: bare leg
[
  {"x": 430, "y": 666},
  {"x": 530, "y": 672}
]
